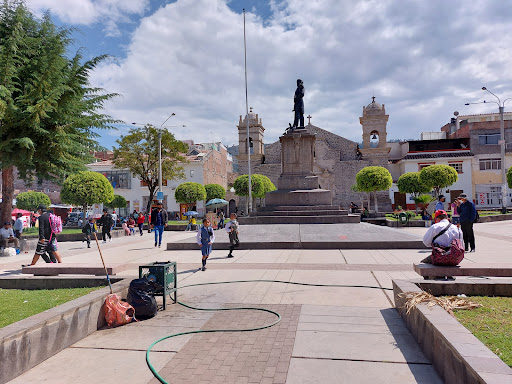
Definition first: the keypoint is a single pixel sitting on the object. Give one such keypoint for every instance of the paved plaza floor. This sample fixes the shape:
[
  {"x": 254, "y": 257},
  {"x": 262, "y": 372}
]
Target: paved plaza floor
[{"x": 327, "y": 334}]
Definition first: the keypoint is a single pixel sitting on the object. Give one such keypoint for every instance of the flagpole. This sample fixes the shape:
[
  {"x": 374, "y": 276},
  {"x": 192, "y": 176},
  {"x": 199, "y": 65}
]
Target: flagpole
[{"x": 249, "y": 204}]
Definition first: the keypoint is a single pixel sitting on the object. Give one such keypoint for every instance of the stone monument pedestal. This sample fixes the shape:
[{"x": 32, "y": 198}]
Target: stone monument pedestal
[{"x": 298, "y": 185}]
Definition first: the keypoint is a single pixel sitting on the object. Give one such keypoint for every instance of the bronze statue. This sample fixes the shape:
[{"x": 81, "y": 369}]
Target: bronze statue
[{"x": 298, "y": 105}]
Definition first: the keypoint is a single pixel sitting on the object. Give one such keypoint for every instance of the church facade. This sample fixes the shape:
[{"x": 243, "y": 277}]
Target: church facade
[{"x": 337, "y": 159}]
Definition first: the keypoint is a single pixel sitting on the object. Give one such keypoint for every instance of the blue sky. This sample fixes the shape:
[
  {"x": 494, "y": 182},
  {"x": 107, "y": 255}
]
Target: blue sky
[{"x": 423, "y": 60}]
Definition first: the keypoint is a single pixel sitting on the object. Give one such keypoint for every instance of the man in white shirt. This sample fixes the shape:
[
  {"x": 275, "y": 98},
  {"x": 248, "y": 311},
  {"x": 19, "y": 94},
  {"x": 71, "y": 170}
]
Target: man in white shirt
[
  {"x": 7, "y": 235},
  {"x": 18, "y": 226},
  {"x": 444, "y": 240}
]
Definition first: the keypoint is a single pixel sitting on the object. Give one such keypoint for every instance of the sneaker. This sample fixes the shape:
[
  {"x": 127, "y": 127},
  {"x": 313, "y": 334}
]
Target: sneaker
[
  {"x": 26, "y": 265},
  {"x": 156, "y": 244},
  {"x": 159, "y": 245},
  {"x": 104, "y": 241},
  {"x": 230, "y": 255},
  {"x": 473, "y": 250},
  {"x": 203, "y": 269},
  {"x": 110, "y": 239},
  {"x": 88, "y": 246}
]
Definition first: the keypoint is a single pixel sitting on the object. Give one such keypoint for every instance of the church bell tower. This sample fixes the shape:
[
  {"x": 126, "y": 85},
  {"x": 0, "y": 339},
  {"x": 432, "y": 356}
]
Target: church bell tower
[
  {"x": 374, "y": 122},
  {"x": 256, "y": 149}
]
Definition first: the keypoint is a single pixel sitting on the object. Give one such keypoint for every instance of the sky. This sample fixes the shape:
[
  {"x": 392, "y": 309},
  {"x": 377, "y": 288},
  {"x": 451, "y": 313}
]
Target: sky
[{"x": 422, "y": 59}]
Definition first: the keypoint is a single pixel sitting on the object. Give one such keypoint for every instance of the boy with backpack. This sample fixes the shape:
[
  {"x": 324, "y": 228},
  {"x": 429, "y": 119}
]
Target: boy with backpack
[
  {"x": 88, "y": 229},
  {"x": 49, "y": 226}
]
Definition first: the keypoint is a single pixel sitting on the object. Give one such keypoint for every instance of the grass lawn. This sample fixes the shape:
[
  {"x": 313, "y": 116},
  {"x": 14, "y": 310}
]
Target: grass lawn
[
  {"x": 19, "y": 304},
  {"x": 491, "y": 324},
  {"x": 489, "y": 213},
  {"x": 35, "y": 231}
]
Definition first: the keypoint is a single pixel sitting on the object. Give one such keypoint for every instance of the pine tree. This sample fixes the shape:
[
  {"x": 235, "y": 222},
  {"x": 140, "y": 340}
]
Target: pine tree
[{"x": 47, "y": 108}]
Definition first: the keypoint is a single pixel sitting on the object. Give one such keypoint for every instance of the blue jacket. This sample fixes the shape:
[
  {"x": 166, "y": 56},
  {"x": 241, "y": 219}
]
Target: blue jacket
[{"x": 467, "y": 211}]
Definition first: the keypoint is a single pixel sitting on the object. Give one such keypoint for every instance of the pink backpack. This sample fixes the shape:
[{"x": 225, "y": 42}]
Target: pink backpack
[{"x": 55, "y": 223}]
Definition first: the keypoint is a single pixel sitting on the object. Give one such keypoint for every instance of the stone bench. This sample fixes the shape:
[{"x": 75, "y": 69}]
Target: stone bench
[
  {"x": 52, "y": 269},
  {"x": 495, "y": 270}
]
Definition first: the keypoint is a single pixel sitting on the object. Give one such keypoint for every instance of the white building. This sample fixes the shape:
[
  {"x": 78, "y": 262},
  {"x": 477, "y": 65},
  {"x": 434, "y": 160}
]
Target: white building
[
  {"x": 207, "y": 163},
  {"x": 412, "y": 156}
]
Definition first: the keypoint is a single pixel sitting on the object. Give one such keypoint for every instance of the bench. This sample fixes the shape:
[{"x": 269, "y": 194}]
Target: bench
[
  {"x": 51, "y": 269},
  {"x": 494, "y": 270}
]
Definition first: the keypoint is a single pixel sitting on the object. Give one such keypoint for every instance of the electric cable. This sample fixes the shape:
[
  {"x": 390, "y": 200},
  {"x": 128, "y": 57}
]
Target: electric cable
[{"x": 162, "y": 380}]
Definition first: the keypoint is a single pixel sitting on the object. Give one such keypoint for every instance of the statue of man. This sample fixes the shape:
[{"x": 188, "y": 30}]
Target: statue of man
[{"x": 298, "y": 105}]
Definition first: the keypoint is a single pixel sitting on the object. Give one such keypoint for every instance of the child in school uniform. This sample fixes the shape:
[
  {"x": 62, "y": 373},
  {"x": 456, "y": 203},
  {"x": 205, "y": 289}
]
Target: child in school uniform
[{"x": 205, "y": 239}]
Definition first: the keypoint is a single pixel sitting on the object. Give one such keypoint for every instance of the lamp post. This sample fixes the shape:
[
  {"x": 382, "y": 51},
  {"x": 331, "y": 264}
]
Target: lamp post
[
  {"x": 501, "y": 108},
  {"x": 160, "y": 195}
]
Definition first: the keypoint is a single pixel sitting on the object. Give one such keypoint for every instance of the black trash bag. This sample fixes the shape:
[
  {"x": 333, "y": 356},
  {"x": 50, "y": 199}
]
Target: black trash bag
[{"x": 142, "y": 299}]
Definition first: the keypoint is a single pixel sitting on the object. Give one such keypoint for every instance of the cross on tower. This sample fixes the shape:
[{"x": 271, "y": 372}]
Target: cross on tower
[{"x": 309, "y": 119}]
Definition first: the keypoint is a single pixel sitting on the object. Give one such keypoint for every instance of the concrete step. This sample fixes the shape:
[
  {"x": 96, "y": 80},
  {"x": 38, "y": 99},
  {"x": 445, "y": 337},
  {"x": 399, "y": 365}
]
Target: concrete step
[
  {"x": 299, "y": 208},
  {"x": 301, "y": 213},
  {"x": 332, "y": 219}
]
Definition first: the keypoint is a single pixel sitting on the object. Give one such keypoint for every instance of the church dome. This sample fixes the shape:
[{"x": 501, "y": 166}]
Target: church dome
[
  {"x": 253, "y": 117},
  {"x": 374, "y": 104}
]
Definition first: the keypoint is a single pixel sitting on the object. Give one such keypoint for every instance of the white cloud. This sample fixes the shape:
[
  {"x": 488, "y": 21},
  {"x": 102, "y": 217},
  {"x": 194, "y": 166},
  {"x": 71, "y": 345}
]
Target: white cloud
[
  {"x": 423, "y": 60},
  {"x": 87, "y": 12}
]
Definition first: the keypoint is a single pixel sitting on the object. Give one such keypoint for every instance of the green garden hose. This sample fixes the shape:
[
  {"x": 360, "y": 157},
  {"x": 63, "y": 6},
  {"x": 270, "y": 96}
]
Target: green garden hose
[{"x": 161, "y": 379}]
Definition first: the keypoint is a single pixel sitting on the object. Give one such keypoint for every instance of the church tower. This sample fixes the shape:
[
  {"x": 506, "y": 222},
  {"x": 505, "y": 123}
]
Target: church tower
[
  {"x": 256, "y": 149},
  {"x": 374, "y": 122}
]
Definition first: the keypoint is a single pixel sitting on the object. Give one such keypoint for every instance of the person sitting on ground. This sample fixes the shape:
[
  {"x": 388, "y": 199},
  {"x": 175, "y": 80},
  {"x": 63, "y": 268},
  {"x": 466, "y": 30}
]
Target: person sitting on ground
[
  {"x": 353, "y": 207},
  {"x": 445, "y": 239},
  {"x": 7, "y": 236}
]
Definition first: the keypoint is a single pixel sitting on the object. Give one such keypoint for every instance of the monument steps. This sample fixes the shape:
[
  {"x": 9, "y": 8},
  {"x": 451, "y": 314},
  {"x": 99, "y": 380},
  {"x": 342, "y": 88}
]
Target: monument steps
[
  {"x": 330, "y": 212},
  {"x": 299, "y": 208},
  {"x": 327, "y": 219}
]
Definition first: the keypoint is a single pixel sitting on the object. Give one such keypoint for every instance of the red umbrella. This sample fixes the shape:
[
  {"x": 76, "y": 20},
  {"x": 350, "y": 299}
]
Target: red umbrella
[{"x": 22, "y": 211}]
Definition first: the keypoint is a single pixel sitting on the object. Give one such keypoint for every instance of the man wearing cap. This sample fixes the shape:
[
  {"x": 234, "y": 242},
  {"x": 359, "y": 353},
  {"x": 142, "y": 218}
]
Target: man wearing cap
[
  {"x": 7, "y": 235},
  {"x": 440, "y": 203},
  {"x": 47, "y": 240},
  {"x": 467, "y": 212},
  {"x": 444, "y": 240}
]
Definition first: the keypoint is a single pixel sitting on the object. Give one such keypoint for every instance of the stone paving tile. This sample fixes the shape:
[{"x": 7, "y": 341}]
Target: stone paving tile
[
  {"x": 303, "y": 267},
  {"x": 237, "y": 357}
]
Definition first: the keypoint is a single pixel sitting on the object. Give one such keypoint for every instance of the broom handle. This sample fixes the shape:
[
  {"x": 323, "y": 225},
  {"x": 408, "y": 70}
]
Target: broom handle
[{"x": 103, "y": 261}]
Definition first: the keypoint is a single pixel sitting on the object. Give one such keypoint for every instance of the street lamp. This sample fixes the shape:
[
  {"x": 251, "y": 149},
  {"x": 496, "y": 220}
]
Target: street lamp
[
  {"x": 160, "y": 195},
  {"x": 501, "y": 108}
]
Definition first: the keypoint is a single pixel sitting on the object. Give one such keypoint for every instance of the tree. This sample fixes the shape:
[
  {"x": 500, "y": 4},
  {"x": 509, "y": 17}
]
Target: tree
[
  {"x": 438, "y": 176},
  {"x": 87, "y": 188},
  {"x": 189, "y": 193},
  {"x": 509, "y": 177},
  {"x": 138, "y": 152},
  {"x": 260, "y": 185},
  {"x": 47, "y": 109},
  {"x": 410, "y": 183},
  {"x": 117, "y": 202},
  {"x": 373, "y": 179},
  {"x": 214, "y": 191},
  {"x": 29, "y": 201}
]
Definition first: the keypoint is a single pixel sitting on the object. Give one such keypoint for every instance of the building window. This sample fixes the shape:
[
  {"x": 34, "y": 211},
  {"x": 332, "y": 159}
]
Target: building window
[
  {"x": 491, "y": 139},
  {"x": 423, "y": 165},
  {"x": 119, "y": 179},
  {"x": 486, "y": 164},
  {"x": 457, "y": 166}
]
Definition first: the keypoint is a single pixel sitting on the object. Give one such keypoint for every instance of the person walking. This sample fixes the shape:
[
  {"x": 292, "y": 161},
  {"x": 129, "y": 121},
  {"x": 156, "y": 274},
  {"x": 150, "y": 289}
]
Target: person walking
[
  {"x": 158, "y": 223},
  {"x": 467, "y": 212},
  {"x": 221, "y": 219},
  {"x": 232, "y": 230},
  {"x": 88, "y": 229},
  {"x": 140, "y": 222},
  {"x": 47, "y": 239},
  {"x": 205, "y": 239},
  {"x": 440, "y": 203},
  {"x": 18, "y": 226},
  {"x": 106, "y": 222}
]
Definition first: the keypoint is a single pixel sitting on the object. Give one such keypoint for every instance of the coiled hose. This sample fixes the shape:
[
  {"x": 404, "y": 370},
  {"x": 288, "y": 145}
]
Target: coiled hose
[{"x": 161, "y": 379}]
